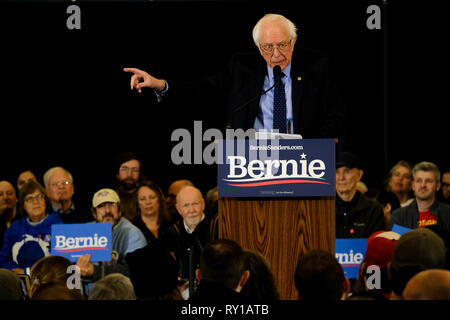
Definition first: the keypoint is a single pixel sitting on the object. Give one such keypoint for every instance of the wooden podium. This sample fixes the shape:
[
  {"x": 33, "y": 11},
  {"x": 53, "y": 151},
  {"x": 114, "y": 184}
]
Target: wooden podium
[{"x": 280, "y": 229}]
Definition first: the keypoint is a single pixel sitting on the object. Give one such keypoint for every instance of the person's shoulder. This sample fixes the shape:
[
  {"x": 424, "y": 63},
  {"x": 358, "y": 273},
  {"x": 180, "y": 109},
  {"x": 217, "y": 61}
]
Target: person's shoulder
[{"x": 444, "y": 207}]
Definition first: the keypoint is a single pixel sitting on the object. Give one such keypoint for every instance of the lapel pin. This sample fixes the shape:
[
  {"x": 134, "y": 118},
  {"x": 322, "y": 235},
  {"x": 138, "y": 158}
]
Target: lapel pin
[{"x": 299, "y": 78}]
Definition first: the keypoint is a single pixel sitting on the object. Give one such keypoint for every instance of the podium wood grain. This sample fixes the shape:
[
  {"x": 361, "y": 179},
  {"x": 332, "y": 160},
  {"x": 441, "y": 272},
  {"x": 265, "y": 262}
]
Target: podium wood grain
[{"x": 280, "y": 229}]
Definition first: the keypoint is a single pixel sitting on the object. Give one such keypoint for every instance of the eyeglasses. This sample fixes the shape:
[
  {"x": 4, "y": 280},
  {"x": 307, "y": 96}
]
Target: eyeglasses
[
  {"x": 31, "y": 199},
  {"x": 62, "y": 183},
  {"x": 282, "y": 46},
  {"x": 126, "y": 169}
]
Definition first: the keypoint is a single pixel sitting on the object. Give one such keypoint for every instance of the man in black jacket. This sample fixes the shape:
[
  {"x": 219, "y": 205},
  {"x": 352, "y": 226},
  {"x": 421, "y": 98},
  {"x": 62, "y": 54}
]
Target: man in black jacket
[
  {"x": 312, "y": 106},
  {"x": 356, "y": 215},
  {"x": 187, "y": 238},
  {"x": 425, "y": 210},
  {"x": 222, "y": 272}
]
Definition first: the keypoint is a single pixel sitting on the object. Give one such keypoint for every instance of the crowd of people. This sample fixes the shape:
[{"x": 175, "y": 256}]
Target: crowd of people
[{"x": 166, "y": 246}]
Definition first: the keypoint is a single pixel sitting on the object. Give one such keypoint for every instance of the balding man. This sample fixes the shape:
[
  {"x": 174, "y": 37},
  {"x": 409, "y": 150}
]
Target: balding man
[
  {"x": 192, "y": 233},
  {"x": 8, "y": 208},
  {"x": 299, "y": 97},
  {"x": 433, "y": 284}
]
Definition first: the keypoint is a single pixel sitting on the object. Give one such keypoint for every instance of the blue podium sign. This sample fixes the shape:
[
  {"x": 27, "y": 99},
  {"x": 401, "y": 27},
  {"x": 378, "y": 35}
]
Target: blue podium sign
[
  {"x": 75, "y": 240},
  {"x": 276, "y": 168},
  {"x": 350, "y": 254}
]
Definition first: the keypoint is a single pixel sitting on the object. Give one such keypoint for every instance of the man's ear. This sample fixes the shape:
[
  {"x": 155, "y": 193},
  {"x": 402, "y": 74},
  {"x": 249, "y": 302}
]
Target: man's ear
[
  {"x": 243, "y": 281},
  {"x": 198, "y": 274}
]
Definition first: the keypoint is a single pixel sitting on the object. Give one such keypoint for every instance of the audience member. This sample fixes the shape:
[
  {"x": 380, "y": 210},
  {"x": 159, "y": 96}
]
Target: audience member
[
  {"x": 387, "y": 199},
  {"x": 425, "y": 209},
  {"x": 152, "y": 211},
  {"x": 60, "y": 190},
  {"x": 154, "y": 273},
  {"x": 52, "y": 269},
  {"x": 444, "y": 195},
  {"x": 431, "y": 284},
  {"x": 24, "y": 177},
  {"x": 8, "y": 207},
  {"x": 261, "y": 285},
  {"x": 415, "y": 251},
  {"x": 356, "y": 215},
  {"x": 125, "y": 238},
  {"x": 56, "y": 291},
  {"x": 172, "y": 192},
  {"x": 192, "y": 234},
  {"x": 380, "y": 247},
  {"x": 222, "y": 273},
  {"x": 320, "y": 277},
  {"x": 28, "y": 239},
  {"x": 10, "y": 288},
  {"x": 114, "y": 286},
  {"x": 129, "y": 174},
  {"x": 399, "y": 182}
]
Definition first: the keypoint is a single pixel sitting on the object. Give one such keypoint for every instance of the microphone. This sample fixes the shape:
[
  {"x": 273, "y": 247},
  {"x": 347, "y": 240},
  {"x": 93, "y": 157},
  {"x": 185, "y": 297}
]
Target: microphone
[
  {"x": 276, "y": 76},
  {"x": 276, "y": 72}
]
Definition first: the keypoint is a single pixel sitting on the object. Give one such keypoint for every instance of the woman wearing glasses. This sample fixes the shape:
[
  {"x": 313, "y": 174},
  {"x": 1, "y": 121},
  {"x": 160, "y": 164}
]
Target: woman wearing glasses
[{"x": 28, "y": 239}]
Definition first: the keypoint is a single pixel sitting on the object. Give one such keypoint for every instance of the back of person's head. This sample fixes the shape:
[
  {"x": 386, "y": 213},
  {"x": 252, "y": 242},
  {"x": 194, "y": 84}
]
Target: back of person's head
[
  {"x": 47, "y": 270},
  {"x": 415, "y": 251},
  {"x": 114, "y": 286},
  {"x": 56, "y": 291},
  {"x": 222, "y": 261},
  {"x": 433, "y": 284},
  {"x": 319, "y": 276},
  {"x": 10, "y": 288},
  {"x": 261, "y": 284},
  {"x": 154, "y": 273},
  {"x": 380, "y": 247},
  {"x": 385, "y": 197}
]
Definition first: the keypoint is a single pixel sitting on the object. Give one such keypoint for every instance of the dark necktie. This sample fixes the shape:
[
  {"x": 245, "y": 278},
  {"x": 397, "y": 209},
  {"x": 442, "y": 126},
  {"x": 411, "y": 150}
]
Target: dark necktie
[{"x": 279, "y": 106}]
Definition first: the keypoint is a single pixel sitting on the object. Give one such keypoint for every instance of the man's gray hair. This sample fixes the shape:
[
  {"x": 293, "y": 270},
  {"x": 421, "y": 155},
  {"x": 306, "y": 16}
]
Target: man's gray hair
[
  {"x": 427, "y": 166},
  {"x": 50, "y": 171},
  {"x": 271, "y": 17}
]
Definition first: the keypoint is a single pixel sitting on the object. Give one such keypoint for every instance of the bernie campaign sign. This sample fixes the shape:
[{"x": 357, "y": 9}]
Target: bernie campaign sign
[
  {"x": 276, "y": 168},
  {"x": 350, "y": 254},
  {"x": 75, "y": 240}
]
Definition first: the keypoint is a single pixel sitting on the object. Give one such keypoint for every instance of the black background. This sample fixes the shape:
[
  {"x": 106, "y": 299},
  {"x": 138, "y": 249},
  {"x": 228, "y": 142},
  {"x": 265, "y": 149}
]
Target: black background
[{"x": 64, "y": 99}]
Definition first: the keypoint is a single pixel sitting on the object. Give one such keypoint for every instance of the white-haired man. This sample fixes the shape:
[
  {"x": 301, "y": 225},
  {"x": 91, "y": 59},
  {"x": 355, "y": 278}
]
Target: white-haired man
[
  {"x": 60, "y": 190},
  {"x": 301, "y": 99}
]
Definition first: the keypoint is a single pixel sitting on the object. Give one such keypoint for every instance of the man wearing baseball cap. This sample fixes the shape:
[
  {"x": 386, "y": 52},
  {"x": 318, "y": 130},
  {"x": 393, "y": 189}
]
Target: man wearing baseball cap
[
  {"x": 356, "y": 215},
  {"x": 126, "y": 237}
]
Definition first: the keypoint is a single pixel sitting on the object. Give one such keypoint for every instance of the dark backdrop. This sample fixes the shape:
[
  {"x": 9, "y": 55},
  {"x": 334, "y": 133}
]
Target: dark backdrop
[{"x": 66, "y": 101}]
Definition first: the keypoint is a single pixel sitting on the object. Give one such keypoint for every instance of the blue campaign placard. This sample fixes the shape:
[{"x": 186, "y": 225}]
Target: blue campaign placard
[
  {"x": 276, "y": 168},
  {"x": 75, "y": 240},
  {"x": 350, "y": 254},
  {"x": 400, "y": 229}
]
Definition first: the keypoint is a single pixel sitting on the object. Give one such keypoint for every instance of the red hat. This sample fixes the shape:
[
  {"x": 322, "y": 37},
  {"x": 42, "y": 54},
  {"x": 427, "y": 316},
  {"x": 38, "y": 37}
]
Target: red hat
[{"x": 380, "y": 247}]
